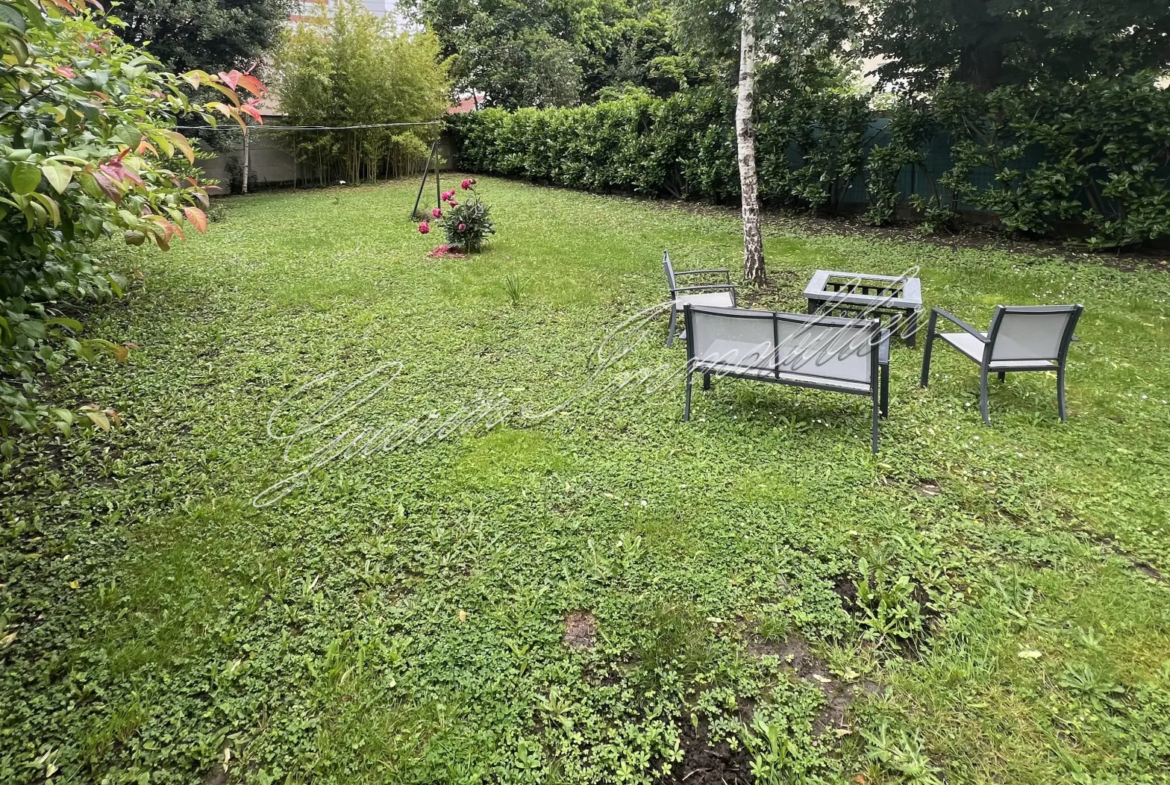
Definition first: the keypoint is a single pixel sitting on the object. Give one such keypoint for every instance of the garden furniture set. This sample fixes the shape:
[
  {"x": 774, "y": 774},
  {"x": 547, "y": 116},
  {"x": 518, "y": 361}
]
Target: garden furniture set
[{"x": 851, "y": 355}]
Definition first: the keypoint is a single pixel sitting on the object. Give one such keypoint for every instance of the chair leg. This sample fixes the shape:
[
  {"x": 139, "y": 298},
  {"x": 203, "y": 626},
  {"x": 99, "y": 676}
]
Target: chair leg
[
  {"x": 926, "y": 360},
  {"x": 706, "y": 381},
  {"x": 885, "y": 394},
  {"x": 876, "y": 414},
  {"x": 687, "y": 408},
  {"x": 911, "y": 329},
  {"x": 926, "y": 350},
  {"x": 1060, "y": 395},
  {"x": 983, "y": 396},
  {"x": 1002, "y": 376},
  {"x": 670, "y": 330}
]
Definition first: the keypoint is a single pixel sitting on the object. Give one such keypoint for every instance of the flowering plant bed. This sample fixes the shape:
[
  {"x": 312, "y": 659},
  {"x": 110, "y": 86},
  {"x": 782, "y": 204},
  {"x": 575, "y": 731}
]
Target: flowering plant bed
[
  {"x": 445, "y": 251},
  {"x": 465, "y": 224}
]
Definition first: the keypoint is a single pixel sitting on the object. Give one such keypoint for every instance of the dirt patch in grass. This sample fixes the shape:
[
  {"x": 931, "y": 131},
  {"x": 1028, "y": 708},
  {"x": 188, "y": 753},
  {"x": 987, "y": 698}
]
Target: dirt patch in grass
[
  {"x": 796, "y": 656},
  {"x": 928, "y": 488},
  {"x": 580, "y": 630},
  {"x": 777, "y": 292},
  {"x": 845, "y": 588},
  {"x": 1147, "y": 569},
  {"x": 913, "y": 647},
  {"x": 707, "y": 764},
  {"x": 1109, "y": 543}
]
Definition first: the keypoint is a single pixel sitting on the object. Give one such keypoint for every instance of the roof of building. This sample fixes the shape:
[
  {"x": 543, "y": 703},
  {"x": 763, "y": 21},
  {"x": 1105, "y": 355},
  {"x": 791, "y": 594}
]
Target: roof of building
[{"x": 465, "y": 104}]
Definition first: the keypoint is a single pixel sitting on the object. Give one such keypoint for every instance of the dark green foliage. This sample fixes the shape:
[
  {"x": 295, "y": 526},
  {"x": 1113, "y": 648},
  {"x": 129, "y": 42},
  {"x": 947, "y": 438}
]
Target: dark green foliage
[
  {"x": 990, "y": 43},
  {"x": 212, "y": 35},
  {"x": 1101, "y": 152},
  {"x": 683, "y": 146},
  {"x": 1095, "y": 155},
  {"x": 558, "y": 53}
]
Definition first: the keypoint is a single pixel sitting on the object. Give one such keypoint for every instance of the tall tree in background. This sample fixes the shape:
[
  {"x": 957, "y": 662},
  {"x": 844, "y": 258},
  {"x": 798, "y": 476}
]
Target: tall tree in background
[
  {"x": 213, "y": 35},
  {"x": 344, "y": 66},
  {"x": 796, "y": 44},
  {"x": 745, "y": 138},
  {"x": 990, "y": 43},
  {"x": 553, "y": 52}
]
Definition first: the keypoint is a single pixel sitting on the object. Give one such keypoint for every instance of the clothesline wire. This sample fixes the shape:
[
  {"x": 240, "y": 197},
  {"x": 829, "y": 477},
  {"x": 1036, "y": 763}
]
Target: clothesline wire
[{"x": 305, "y": 127}]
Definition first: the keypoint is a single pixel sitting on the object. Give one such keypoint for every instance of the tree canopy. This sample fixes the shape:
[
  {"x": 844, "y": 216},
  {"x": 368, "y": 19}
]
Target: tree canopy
[
  {"x": 344, "y": 66},
  {"x": 213, "y": 35},
  {"x": 990, "y": 43},
  {"x": 555, "y": 52}
]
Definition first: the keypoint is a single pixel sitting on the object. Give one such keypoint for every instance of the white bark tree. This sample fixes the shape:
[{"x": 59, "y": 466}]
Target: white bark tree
[{"x": 745, "y": 135}]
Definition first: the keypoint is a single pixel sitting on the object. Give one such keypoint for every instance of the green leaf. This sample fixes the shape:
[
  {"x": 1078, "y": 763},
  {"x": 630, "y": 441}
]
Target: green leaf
[
  {"x": 65, "y": 321},
  {"x": 50, "y": 206},
  {"x": 13, "y": 18},
  {"x": 58, "y": 176},
  {"x": 25, "y": 178}
]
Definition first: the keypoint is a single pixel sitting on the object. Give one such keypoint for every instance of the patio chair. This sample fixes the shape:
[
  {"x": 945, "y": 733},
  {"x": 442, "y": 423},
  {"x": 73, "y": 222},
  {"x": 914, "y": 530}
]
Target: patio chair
[
  {"x": 820, "y": 352},
  {"x": 720, "y": 295},
  {"x": 1021, "y": 338}
]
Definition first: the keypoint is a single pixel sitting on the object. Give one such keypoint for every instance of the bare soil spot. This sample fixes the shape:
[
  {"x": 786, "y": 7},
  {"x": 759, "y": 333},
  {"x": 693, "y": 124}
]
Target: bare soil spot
[
  {"x": 795, "y": 655},
  {"x": 777, "y": 292},
  {"x": 704, "y": 764},
  {"x": 1147, "y": 569},
  {"x": 928, "y": 488},
  {"x": 846, "y": 589},
  {"x": 580, "y": 630},
  {"x": 217, "y": 776}
]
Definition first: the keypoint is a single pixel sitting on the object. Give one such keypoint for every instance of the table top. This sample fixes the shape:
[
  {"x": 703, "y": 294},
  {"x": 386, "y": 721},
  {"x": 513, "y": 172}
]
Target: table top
[{"x": 911, "y": 290}]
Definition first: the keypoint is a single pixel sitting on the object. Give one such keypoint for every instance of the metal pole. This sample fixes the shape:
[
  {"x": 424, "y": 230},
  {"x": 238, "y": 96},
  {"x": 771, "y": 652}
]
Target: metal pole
[
  {"x": 247, "y": 162},
  {"x": 438, "y": 192},
  {"x": 423, "y": 184}
]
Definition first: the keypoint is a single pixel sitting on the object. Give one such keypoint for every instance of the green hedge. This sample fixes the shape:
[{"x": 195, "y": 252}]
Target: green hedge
[
  {"x": 1097, "y": 154},
  {"x": 682, "y": 146}
]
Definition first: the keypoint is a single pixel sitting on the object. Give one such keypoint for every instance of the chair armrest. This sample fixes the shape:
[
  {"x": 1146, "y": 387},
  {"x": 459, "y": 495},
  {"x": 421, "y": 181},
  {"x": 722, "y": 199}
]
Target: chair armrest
[
  {"x": 959, "y": 323},
  {"x": 721, "y": 287}
]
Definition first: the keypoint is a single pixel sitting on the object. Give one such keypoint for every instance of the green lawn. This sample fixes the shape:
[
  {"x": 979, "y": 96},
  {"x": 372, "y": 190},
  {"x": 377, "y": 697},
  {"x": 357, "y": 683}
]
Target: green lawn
[{"x": 400, "y": 617}]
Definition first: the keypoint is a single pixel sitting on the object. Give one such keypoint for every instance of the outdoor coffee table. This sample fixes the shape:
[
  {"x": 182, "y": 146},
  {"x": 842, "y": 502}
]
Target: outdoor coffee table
[{"x": 873, "y": 295}]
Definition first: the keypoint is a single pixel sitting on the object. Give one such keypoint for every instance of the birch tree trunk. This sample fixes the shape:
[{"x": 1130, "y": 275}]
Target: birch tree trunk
[{"x": 745, "y": 135}]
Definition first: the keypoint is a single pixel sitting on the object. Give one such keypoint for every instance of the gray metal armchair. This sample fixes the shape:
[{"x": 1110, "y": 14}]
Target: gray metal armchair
[
  {"x": 1021, "y": 338},
  {"x": 720, "y": 295}
]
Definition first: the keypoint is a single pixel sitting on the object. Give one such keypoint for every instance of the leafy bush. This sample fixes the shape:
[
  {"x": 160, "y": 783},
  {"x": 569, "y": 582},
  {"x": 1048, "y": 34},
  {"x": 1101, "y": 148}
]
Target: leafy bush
[
  {"x": 465, "y": 224},
  {"x": 89, "y": 151},
  {"x": 1096, "y": 154},
  {"x": 682, "y": 146}
]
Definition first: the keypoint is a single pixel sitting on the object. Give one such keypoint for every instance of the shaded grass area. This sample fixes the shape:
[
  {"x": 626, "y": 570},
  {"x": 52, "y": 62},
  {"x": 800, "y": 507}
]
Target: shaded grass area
[{"x": 767, "y": 599}]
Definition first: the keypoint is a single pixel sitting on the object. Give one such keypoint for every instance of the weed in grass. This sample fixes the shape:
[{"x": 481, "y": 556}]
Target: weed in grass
[
  {"x": 903, "y": 755},
  {"x": 514, "y": 289}
]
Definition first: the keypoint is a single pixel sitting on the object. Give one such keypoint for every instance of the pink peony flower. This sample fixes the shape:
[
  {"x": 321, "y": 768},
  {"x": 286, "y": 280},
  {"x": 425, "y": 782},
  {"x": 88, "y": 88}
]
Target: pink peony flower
[
  {"x": 472, "y": 181},
  {"x": 462, "y": 227},
  {"x": 424, "y": 227},
  {"x": 437, "y": 213},
  {"x": 465, "y": 184},
  {"x": 447, "y": 195},
  {"x": 453, "y": 203}
]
